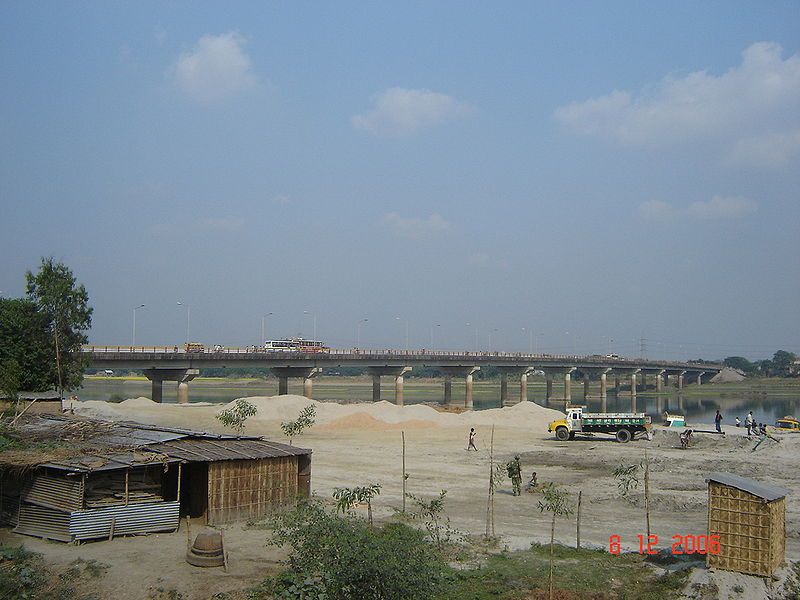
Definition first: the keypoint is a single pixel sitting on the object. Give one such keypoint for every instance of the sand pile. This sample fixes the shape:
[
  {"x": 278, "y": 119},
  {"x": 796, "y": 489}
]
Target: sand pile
[{"x": 373, "y": 415}]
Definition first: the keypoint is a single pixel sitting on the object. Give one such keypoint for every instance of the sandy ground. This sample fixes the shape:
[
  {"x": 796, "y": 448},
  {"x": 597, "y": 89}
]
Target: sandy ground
[{"x": 358, "y": 444}]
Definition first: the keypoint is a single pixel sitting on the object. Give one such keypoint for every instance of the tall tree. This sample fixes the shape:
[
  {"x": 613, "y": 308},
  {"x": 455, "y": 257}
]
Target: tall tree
[
  {"x": 782, "y": 360},
  {"x": 65, "y": 306},
  {"x": 26, "y": 340}
]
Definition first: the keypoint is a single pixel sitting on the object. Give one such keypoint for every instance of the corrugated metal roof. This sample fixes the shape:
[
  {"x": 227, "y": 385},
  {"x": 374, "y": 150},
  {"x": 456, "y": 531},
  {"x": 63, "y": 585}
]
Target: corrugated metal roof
[
  {"x": 109, "y": 462},
  {"x": 204, "y": 450},
  {"x": 762, "y": 490}
]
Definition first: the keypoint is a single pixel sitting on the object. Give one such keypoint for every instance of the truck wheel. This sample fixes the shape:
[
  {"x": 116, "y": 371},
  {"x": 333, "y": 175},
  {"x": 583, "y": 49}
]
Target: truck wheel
[
  {"x": 562, "y": 433},
  {"x": 623, "y": 436}
]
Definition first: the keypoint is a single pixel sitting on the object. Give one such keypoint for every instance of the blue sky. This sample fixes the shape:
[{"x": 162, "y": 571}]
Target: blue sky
[{"x": 586, "y": 172}]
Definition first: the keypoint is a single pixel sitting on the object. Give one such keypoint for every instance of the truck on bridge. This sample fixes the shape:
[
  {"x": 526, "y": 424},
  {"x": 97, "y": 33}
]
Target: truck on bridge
[{"x": 623, "y": 426}]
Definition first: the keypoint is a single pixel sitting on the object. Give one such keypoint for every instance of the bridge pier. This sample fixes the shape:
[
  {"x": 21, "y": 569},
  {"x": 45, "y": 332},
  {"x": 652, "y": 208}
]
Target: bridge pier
[
  {"x": 680, "y": 379},
  {"x": 660, "y": 381},
  {"x": 157, "y": 378},
  {"x": 567, "y": 374},
  {"x": 700, "y": 377},
  {"x": 459, "y": 371},
  {"x": 395, "y": 371},
  {"x": 306, "y": 373},
  {"x": 523, "y": 386}
]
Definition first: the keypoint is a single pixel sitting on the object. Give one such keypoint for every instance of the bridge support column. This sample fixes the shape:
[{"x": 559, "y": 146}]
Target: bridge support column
[
  {"x": 523, "y": 387},
  {"x": 568, "y": 386},
  {"x": 521, "y": 372},
  {"x": 549, "y": 391},
  {"x": 305, "y": 373},
  {"x": 633, "y": 384},
  {"x": 459, "y": 371},
  {"x": 182, "y": 376},
  {"x": 680, "y": 379},
  {"x": 616, "y": 384},
  {"x": 700, "y": 377},
  {"x": 585, "y": 386},
  {"x": 603, "y": 385},
  {"x": 660, "y": 381},
  {"x": 666, "y": 379},
  {"x": 396, "y": 371},
  {"x": 566, "y": 373}
]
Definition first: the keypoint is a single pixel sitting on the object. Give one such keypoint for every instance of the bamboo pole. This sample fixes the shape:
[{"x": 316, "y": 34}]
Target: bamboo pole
[
  {"x": 490, "y": 499},
  {"x": 127, "y": 472},
  {"x": 552, "y": 541},
  {"x": 403, "y": 437},
  {"x": 111, "y": 530},
  {"x": 578, "y": 533},
  {"x": 647, "y": 492},
  {"x": 179, "y": 483}
]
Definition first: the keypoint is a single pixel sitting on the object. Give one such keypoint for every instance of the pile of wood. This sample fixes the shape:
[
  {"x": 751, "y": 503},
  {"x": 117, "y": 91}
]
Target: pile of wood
[{"x": 113, "y": 489}]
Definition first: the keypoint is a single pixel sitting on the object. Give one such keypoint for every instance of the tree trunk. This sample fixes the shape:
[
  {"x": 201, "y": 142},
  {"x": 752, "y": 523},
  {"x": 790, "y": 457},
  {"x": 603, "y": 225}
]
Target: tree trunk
[
  {"x": 647, "y": 492},
  {"x": 403, "y": 437},
  {"x": 58, "y": 362},
  {"x": 578, "y": 533},
  {"x": 490, "y": 499}
]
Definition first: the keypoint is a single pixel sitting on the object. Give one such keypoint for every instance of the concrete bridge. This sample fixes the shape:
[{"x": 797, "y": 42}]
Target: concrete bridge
[{"x": 160, "y": 363}]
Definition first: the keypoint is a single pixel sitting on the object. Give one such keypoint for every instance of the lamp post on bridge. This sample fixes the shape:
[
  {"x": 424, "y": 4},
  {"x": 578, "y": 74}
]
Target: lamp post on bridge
[
  {"x": 432, "y": 339},
  {"x": 263, "y": 330},
  {"x": 358, "y": 332},
  {"x": 398, "y": 319},
  {"x": 133, "y": 338},
  {"x": 188, "y": 318},
  {"x": 490, "y": 337},
  {"x": 314, "y": 316},
  {"x": 477, "y": 345},
  {"x": 530, "y": 343}
]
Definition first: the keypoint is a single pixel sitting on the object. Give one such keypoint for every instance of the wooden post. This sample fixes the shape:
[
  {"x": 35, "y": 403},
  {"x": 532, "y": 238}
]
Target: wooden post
[
  {"x": 578, "y": 541},
  {"x": 111, "y": 530},
  {"x": 224, "y": 552},
  {"x": 552, "y": 541},
  {"x": 188, "y": 533},
  {"x": 403, "y": 436},
  {"x": 490, "y": 500},
  {"x": 178, "y": 498},
  {"x": 647, "y": 492},
  {"x": 127, "y": 472}
]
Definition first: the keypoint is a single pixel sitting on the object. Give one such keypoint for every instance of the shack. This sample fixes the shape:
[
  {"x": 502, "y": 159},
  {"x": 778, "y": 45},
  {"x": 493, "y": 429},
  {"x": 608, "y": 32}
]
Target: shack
[
  {"x": 750, "y": 519},
  {"x": 107, "y": 479}
]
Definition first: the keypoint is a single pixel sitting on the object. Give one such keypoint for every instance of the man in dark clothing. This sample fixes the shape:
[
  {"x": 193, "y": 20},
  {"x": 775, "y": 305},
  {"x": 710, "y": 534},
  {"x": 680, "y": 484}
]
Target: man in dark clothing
[
  {"x": 515, "y": 473},
  {"x": 718, "y": 421}
]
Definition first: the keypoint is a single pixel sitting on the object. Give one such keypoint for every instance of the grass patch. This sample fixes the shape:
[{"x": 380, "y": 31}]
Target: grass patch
[
  {"x": 25, "y": 576},
  {"x": 592, "y": 574}
]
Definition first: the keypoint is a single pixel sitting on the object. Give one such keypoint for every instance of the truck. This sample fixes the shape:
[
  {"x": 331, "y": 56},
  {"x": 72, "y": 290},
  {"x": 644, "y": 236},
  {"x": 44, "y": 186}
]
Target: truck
[{"x": 623, "y": 426}]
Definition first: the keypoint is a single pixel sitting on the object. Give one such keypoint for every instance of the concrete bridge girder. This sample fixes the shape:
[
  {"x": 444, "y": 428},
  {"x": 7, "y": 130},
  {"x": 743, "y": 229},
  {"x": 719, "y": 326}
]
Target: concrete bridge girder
[
  {"x": 459, "y": 371},
  {"x": 158, "y": 376},
  {"x": 393, "y": 371},
  {"x": 306, "y": 373}
]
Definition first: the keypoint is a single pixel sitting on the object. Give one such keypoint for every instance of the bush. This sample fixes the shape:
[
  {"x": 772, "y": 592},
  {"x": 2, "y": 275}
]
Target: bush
[{"x": 340, "y": 557}]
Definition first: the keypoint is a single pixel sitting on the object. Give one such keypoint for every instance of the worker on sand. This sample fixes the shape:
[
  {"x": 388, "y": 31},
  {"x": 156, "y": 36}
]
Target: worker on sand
[
  {"x": 471, "y": 444},
  {"x": 748, "y": 422},
  {"x": 514, "y": 469},
  {"x": 718, "y": 421},
  {"x": 531, "y": 487},
  {"x": 738, "y": 422}
]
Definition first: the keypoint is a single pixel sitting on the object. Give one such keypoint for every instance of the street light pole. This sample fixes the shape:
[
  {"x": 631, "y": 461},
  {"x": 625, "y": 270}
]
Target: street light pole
[
  {"x": 432, "y": 326},
  {"x": 188, "y": 318},
  {"x": 398, "y": 319},
  {"x": 263, "y": 331},
  {"x": 314, "y": 316},
  {"x": 358, "y": 332},
  {"x": 477, "y": 345},
  {"x": 133, "y": 339},
  {"x": 490, "y": 337}
]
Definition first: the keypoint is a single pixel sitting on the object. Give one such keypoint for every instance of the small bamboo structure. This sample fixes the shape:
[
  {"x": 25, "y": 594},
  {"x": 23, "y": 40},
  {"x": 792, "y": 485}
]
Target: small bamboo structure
[{"x": 750, "y": 519}]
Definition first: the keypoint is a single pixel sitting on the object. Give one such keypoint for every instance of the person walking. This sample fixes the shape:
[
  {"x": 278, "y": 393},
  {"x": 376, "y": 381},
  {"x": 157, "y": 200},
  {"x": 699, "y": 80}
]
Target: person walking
[
  {"x": 748, "y": 422},
  {"x": 471, "y": 444},
  {"x": 718, "y": 421},
  {"x": 514, "y": 469}
]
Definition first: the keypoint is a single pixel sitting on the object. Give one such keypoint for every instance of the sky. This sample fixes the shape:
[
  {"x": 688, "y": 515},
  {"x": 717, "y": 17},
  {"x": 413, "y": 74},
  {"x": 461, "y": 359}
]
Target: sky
[{"x": 615, "y": 177}]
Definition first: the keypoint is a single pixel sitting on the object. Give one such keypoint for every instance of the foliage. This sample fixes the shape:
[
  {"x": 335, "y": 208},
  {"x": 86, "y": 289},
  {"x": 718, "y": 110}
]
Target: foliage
[
  {"x": 25, "y": 338},
  {"x": 343, "y": 558},
  {"x": 347, "y": 498},
  {"x": 436, "y": 521},
  {"x": 580, "y": 574},
  {"x": 235, "y": 416},
  {"x": 782, "y": 360},
  {"x": 791, "y": 588},
  {"x": 554, "y": 500},
  {"x": 10, "y": 378},
  {"x": 627, "y": 477},
  {"x": 741, "y": 363},
  {"x": 303, "y": 421},
  {"x": 24, "y": 576},
  {"x": 65, "y": 306}
]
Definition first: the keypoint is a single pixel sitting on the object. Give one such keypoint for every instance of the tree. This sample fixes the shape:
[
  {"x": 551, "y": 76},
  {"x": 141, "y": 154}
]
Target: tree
[
  {"x": 10, "y": 377},
  {"x": 235, "y": 416},
  {"x": 434, "y": 517},
  {"x": 26, "y": 340},
  {"x": 739, "y": 362},
  {"x": 65, "y": 306},
  {"x": 303, "y": 421},
  {"x": 555, "y": 501},
  {"x": 347, "y": 498},
  {"x": 341, "y": 558},
  {"x": 782, "y": 360}
]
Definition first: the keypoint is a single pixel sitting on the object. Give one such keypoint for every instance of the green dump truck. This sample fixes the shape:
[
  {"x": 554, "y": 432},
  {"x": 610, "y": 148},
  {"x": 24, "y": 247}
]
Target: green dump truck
[{"x": 623, "y": 426}]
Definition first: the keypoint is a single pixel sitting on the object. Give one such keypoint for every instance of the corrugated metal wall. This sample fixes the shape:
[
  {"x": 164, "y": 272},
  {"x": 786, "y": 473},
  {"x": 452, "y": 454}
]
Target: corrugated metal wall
[
  {"x": 136, "y": 518},
  {"x": 60, "y": 493},
  {"x": 250, "y": 489}
]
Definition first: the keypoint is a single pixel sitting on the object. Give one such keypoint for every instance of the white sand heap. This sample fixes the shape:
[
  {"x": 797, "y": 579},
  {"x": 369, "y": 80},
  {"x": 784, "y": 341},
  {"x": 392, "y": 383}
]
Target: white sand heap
[{"x": 330, "y": 415}]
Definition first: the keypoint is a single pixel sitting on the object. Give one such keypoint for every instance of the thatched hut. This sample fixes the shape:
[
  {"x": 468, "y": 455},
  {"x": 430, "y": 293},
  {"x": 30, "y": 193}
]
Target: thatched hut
[
  {"x": 95, "y": 479},
  {"x": 750, "y": 519}
]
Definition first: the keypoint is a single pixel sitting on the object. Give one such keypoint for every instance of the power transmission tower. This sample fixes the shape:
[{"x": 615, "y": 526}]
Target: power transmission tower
[{"x": 642, "y": 347}]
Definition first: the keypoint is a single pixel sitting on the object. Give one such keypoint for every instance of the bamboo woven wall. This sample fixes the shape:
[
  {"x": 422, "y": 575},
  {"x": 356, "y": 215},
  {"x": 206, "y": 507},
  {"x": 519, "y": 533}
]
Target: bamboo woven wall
[
  {"x": 752, "y": 531},
  {"x": 250, "y": 489}
]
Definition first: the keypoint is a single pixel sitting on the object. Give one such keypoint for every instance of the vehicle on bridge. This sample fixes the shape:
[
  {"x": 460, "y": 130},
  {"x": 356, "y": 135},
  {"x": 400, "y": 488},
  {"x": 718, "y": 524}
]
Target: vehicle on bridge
[
  {"x": 192, "y": 347},
  {"x": 623, "y": 426},
  {"x": 294, "y": 345}
]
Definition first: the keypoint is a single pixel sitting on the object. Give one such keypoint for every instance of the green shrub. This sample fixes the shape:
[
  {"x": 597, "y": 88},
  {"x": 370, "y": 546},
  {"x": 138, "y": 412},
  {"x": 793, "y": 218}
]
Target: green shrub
[{"x": 339, "y": 557}]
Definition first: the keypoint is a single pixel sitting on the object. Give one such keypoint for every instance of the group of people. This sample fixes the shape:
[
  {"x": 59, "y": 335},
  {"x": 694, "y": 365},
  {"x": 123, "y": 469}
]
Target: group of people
[
  {"x": 753, "y": 428},
  {"x": 513, "y": 468}
]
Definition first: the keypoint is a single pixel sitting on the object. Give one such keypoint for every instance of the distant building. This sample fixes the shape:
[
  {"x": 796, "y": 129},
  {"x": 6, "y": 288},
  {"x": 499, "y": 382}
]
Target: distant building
[{"x": 142, "y": 478}]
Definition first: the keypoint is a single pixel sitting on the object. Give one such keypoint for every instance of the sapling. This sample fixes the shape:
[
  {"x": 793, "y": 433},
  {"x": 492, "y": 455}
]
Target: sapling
[
  {"x": 303, "y": 421},
  {"x": 235, "y": 416},
  {"x": 555, "y": 501},
  {"x": 347, "y": 498}
]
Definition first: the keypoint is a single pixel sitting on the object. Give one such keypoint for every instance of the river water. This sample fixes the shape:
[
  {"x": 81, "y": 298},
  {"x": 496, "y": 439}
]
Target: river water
[{"x": 768, "y": 399}]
